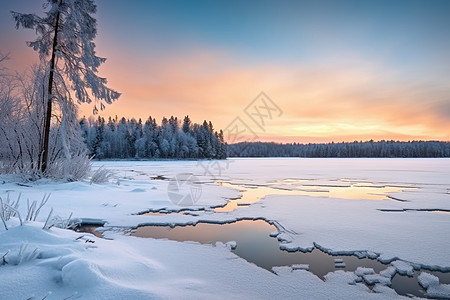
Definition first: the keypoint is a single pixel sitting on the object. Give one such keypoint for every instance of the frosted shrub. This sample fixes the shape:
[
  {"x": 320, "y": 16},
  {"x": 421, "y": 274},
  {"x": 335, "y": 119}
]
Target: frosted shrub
[
  {"x": 101, "y": 175},
  {"x": 63, "y": 223},
  {"x": 21, "y": 112},
  {"x": 34, "y": 209},
  {"x": 73, "y": 169},
  {"x": 22, "y": 255},
  {"x": 9, "y": 209}
]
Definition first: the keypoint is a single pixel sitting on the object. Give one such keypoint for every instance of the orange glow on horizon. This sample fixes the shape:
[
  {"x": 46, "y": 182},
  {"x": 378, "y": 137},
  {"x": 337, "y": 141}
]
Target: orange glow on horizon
[{"x": 332, "y": 103}]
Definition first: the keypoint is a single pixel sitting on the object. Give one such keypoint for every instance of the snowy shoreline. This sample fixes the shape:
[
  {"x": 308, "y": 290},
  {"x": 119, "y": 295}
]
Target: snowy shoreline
[{"x": 338, "y": 226}]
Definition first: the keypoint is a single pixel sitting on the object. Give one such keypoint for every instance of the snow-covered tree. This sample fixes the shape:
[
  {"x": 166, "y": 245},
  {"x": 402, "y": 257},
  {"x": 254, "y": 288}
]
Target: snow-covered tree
[
  {"x": 132, "y": 139},
  {"x": 65, "y": 44},
  {"x": 186, "y": 124},
  {"x": 22, "y": 111}
]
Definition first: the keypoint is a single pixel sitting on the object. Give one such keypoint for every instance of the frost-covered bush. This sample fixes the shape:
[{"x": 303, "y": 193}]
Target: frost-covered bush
[
  {"x": 101, "y": 175},
  {"x": 10, "y": 208},
  {"x": 21, "y": 255},
  {"x": 72, "y": 169},
  {"x": 22, "y": 107}
]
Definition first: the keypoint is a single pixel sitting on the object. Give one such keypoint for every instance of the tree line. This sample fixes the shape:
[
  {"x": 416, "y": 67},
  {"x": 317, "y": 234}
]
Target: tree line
[
  {"x": 344, "y": 149},
  {"x": 130, "y": 138}
]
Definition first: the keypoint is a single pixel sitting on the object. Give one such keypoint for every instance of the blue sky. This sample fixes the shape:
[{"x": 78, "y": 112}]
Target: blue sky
[{"x": 340, "y": 70}]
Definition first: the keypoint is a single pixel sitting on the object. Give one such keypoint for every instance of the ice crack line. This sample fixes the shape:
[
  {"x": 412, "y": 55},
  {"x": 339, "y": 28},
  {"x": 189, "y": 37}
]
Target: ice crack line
[{"x": 414, "y": 209}]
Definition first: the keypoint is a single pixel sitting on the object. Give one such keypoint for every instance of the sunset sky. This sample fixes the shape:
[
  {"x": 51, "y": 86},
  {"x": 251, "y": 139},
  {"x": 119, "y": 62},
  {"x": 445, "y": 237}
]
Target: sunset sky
[{"x": 337, "y": 70}]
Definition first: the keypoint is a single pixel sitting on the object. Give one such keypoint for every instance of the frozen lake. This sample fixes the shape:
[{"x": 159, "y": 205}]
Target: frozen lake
[
  {"x": 363, "y": 207},
  {"x": 389, "y": 217}
]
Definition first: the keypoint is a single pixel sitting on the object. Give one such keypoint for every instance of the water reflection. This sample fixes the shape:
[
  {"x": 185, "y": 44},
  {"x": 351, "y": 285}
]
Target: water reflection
[
  {"x": 255, "y": 245},
  {"x": 405, "y": 285},
  {"x": 301, "y": 187},
  {"x": 89, "y": 229},
  {"x": 356, "y": 191},
  {"x": 441, "y": 212}
]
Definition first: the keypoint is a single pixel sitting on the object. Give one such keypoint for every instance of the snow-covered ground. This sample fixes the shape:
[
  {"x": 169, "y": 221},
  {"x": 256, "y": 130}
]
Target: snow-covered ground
[{"x": 312, "y": 203}]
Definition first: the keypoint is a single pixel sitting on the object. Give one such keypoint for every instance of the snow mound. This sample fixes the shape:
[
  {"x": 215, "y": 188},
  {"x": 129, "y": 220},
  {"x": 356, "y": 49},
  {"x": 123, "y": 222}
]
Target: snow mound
[{"x": 80, "y": 273}]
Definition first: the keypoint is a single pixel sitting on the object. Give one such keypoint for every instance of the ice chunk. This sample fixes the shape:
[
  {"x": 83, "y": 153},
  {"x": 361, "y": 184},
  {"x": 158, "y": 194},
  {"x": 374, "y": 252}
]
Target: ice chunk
[
  {"x": 284, "y": 237},
  {"x": 426, "y": 280},
  {"x": 300, "y": 267},
  {"x": 289, "y": 247},
  {"x": 361, "y": 271},
  {"x": 339, "y": 263},
  {"x": 434, "y": 289},
  {"x": 360, "y": 254},
  {"x": 389, "y": 272},
  {"x": 403, "y": 267},
  {"x": 341, "y": 277},
  {"x": 439, "y": 291},
  {"x": 376, "y": 278},
  {"x": 231, "y": 245}
]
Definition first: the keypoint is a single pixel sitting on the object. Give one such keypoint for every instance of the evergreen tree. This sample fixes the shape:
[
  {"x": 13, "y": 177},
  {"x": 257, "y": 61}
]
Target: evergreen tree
[
  {"x": 99, "y": 137},
  {"x": 65, "y": 44},
  {"x": 186, "y": 125},
  {"x": 132, "y": 139}
]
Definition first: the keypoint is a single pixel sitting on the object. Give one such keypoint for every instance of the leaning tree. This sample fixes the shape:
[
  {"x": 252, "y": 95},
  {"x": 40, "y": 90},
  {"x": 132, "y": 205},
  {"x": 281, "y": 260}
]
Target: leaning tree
[{"x": 65, "y": 45}]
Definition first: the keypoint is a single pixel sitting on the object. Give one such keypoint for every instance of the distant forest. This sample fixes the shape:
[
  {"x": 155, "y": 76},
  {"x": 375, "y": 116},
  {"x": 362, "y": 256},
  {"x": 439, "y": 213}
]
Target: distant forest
[
  {"x": 174, "y": 139},
  {"x": 123, "y": 138},
  {"x": 353, "y": 149}
]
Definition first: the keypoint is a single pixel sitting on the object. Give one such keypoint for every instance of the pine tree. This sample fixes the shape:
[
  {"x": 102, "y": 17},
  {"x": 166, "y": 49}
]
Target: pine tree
[
  {"x": 99, "y": 137},
  {"x": 186, "y": 125},
  {"x": 66, "y": 34}
]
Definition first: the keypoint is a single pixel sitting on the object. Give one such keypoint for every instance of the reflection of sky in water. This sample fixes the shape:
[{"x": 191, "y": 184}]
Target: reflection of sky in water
[
  {"x": 255, "y": 246},
  {"x": 304, "y": 187}
]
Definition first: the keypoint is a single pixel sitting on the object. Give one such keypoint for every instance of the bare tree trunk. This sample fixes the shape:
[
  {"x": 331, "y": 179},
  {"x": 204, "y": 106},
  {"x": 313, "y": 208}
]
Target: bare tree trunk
[{"x": 50, "y": 98}]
